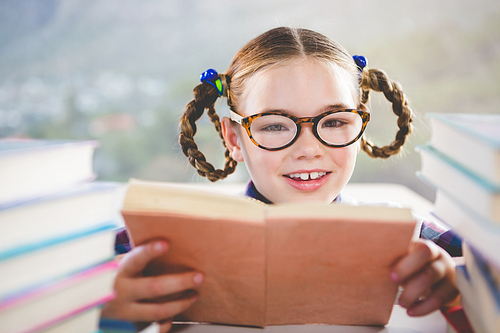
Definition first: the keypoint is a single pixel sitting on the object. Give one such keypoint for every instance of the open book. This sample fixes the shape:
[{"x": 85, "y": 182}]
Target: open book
[{"x": 273, "y": 264}]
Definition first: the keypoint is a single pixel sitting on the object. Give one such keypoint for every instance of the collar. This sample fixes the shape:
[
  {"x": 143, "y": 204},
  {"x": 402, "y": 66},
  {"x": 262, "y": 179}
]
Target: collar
[{"x": 252, "y": 192}]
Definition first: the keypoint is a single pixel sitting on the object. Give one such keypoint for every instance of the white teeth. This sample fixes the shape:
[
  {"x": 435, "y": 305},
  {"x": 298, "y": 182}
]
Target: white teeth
[{"x": 307, "y": 176}]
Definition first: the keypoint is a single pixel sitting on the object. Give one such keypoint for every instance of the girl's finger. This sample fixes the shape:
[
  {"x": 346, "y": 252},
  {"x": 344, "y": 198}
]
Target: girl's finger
[
  {"x": 422, "y": 282},
  {"x": 421, "y": 254},
  {"x": 145, "y": 288},
  {"x": 165, "y": 326},
  {"x": 441, "y": 295},
  {"x": 135, "y": 261},
  {"x": 159, "y": 312}
]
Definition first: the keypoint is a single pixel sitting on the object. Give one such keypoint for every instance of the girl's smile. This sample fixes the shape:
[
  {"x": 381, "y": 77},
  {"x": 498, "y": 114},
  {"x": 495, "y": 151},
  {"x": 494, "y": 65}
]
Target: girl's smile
[{"x": 307, "y": 180}]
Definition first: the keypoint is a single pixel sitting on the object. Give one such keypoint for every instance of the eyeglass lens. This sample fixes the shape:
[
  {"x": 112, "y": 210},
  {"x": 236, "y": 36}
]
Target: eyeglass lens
[{"x": 274, "y": 131}]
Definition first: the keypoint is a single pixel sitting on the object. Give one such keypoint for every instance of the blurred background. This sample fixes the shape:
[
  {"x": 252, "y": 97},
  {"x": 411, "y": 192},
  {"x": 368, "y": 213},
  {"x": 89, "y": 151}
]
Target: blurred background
[{"x": 122, "y": 71}]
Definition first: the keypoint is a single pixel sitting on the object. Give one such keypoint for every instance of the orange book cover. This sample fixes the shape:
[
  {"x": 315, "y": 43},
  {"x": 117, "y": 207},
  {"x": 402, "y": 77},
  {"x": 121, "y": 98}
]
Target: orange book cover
[{"x": 273, "y": 264}]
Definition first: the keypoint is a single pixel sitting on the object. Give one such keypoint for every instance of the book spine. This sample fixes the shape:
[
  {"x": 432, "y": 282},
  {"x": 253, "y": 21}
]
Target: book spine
[
  {"x": 467, "y": 148},
  {"x": 34, "y": 246},
  {"x": 57, "y": 285},
  {"x": 447, "y": 175},
  {"x": 71, "y": 314}
]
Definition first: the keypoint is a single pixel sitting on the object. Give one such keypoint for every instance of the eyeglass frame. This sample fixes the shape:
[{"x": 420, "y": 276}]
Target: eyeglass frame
[{"x": 246, "y": 122}]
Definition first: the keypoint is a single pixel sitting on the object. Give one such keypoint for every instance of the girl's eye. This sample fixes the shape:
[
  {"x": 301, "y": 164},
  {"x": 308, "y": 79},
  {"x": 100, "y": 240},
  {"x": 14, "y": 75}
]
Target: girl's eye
[
  {"x": 274, "y": 128},
  {"x": 333, "y": 123}
]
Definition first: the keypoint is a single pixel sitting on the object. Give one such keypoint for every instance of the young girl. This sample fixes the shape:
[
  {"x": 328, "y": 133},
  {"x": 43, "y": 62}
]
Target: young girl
[{"x": 297, "y": 115}]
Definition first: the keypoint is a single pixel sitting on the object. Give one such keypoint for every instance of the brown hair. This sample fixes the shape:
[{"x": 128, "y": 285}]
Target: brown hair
[{"x": 274, "y": 47}]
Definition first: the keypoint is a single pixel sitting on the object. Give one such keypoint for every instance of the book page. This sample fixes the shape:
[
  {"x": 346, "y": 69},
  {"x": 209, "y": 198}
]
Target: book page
[
  {"x": 332, "y": 271},
  {"x": 230, "y": 255},
  {"x": 176, "y": 198}
]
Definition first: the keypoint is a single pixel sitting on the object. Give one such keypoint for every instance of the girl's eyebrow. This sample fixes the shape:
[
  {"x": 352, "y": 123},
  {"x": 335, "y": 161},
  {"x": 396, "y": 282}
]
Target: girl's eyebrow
[
  {"x": 335, "y": 107},
  {"x": 332, "y": 107}
]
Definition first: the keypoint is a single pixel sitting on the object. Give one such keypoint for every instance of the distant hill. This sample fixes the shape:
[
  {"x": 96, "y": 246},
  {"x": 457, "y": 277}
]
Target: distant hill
[{"x": 57, "y": 38}]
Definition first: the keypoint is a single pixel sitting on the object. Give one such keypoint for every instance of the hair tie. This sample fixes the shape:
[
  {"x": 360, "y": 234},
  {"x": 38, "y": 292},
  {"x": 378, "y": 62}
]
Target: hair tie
[
  {"x": 360, "y": 61},
  {"x": 212, "y": 77}
]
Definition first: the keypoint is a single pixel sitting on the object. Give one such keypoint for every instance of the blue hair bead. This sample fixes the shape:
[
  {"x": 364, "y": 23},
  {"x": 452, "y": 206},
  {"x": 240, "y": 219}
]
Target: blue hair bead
[
  {"x": 212, "y": 77},
  {"x": 209, "y": 74},
  {"x": 360, "y": 61}
]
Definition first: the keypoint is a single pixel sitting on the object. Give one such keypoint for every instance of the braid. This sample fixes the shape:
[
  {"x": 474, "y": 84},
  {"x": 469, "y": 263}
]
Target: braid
[
  {"x": 204, "y": 98},
  {"x": 378, "y": 80}
]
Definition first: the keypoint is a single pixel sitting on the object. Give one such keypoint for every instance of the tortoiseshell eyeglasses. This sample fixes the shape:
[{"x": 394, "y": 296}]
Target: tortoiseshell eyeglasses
[{"x": 278, "y": 130}]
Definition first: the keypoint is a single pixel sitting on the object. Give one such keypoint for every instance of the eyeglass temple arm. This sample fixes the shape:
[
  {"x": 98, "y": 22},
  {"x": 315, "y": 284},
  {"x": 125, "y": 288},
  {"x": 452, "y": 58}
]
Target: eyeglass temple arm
[{"x": 235, "y": 117}]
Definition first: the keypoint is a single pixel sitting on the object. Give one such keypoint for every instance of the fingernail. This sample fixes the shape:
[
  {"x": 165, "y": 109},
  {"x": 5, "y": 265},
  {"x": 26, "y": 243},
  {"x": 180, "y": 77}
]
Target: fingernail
[
  {"x": 410, "y": 312},
  {"x": 394, "y": 277},
  {"x": 158, "y": 246},
  {"x": 198, "y": 278}
]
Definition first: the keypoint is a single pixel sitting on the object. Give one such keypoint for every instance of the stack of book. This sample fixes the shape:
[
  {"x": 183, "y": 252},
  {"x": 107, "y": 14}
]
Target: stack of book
[
  {"x": 462, "y": 162},
  {"x": 57, "y": 237}
]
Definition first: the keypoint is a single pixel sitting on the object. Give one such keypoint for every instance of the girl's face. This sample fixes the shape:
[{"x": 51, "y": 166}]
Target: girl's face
[{"x": 303, "y": 88}]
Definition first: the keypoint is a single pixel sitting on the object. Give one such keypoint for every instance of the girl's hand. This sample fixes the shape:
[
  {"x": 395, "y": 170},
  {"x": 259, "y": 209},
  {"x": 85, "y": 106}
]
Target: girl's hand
[
  {"x": 135, "y": 292},
  {"x": 427, "y": 275}
]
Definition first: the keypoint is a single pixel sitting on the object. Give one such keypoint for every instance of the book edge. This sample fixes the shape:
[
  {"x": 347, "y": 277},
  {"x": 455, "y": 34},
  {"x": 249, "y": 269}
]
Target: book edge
[
  {"x": 30, "y": 247},
  {"x": 484, "y": 183},
  {"x": 482, "y": 137}
]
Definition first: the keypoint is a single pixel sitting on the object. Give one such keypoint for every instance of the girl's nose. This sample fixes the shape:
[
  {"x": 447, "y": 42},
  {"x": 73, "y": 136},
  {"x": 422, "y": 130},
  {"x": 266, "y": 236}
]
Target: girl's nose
[{"x": 307, "y": 145}]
